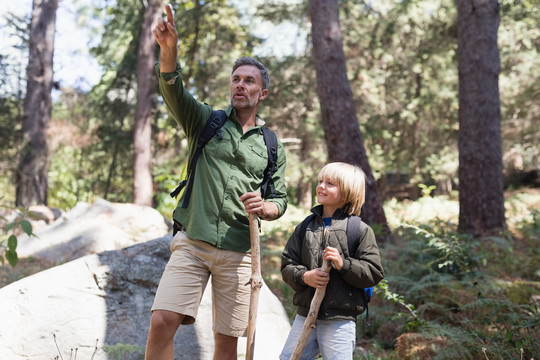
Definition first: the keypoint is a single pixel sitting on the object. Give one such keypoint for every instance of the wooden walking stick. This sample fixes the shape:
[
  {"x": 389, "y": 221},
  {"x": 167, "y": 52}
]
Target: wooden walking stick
[
  {"x": 256, "y": 284},
  {"x": 309, "y": 324}
]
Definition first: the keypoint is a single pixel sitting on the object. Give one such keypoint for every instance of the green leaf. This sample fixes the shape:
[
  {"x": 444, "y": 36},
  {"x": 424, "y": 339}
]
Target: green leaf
[
  {"x": 12, "y": 258},
  {"x": 12, "y": 243},
  {"x": 27, "y": 227},
  {"x": 10, "y": 226}
]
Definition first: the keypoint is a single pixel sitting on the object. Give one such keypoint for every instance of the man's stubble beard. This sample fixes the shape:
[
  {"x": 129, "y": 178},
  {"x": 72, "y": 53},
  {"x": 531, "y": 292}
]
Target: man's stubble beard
[{"x": 246, "y": 104}]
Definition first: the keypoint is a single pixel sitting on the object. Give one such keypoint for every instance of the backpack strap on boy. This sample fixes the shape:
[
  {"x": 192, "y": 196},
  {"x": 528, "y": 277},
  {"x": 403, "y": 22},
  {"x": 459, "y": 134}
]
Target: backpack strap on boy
[
  {"x": 304, "y": 225},
  {"x": 353, "y": 231},
  {"x": 353, "y": 241}
]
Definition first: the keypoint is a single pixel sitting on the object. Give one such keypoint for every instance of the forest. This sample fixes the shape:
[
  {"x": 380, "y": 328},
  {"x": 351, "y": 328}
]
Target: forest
[{"x": 436, "y": 100}]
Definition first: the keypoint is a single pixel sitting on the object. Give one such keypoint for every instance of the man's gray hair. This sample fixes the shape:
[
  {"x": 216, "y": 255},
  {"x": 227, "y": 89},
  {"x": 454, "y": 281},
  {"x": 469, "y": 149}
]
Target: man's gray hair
[{"x": 246, "y": 60}]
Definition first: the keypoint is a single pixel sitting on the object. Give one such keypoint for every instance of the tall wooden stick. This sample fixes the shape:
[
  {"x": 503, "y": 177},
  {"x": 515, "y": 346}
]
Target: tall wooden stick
[
  {"x": 256, "y": 284},
  {"x": 309, "y": 324}
]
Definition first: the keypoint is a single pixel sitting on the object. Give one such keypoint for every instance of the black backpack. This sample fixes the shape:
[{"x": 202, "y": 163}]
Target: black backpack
[
  {"x": 213, "y": 127},
  {"x": 353, "y": 241}
]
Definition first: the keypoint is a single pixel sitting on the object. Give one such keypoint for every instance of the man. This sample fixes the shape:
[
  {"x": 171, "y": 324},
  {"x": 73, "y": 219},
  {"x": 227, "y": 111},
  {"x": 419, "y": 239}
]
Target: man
[{"x": 214, "y": 227}]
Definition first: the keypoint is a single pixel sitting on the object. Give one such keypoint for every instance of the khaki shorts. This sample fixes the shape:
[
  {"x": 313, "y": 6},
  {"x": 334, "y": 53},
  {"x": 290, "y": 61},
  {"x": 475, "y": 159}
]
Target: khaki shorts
[{"x": 185, "y": 277}]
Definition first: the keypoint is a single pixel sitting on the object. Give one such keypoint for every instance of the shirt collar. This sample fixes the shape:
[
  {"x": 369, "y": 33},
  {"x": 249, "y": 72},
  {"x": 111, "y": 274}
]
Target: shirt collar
[{"x": 258, "y": 121}]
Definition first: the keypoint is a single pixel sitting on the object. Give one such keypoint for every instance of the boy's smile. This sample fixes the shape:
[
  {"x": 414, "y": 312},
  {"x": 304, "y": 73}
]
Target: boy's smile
[{"x": 329, "y": 195}]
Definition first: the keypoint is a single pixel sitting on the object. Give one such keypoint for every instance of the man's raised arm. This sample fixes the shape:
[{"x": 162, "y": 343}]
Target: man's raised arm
[{"x": 167, "y": 37}]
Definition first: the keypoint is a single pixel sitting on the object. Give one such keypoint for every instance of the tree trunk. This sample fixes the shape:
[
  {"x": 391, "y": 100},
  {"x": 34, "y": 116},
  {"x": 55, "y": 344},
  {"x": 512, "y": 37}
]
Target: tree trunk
[
  {"x": 481, "y": 194},
  {"x": 142, "y": 136},
  {"x": 304, "y": 193},
  {"x": 32, "y": 172},
  {"x": 342, "y": 134}
]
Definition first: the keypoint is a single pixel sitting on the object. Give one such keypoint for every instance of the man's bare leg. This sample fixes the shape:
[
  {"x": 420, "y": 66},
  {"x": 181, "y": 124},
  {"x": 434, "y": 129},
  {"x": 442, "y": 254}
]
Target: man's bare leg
[
  {"x": 163, "y": 326},
  {"x": 225, "y": 347}
]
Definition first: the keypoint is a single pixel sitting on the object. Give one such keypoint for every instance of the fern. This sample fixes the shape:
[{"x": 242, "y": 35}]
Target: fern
[{"x": 447, "y": 252}]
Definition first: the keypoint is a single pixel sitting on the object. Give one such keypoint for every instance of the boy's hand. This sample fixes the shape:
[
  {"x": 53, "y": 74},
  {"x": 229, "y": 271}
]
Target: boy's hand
[
  {"x": 316, "y": 278},
  {"x": 332, "y": 254}
]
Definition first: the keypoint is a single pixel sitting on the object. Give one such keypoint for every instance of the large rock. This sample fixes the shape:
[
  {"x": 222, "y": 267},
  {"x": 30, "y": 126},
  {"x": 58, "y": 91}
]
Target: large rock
[
  {"x": 106, "y": 298},
  {"x": 93, "y": 228}
]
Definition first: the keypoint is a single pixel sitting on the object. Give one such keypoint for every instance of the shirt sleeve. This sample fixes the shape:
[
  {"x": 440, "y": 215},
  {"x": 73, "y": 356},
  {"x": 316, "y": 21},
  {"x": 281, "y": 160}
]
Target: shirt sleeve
[{"x": 190, "y": 114}]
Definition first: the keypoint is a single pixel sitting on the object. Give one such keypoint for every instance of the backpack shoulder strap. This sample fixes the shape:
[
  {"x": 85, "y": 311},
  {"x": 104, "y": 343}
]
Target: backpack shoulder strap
[
  {"x": 303, "y": 226},
  {"x": 267, "y": 187},
  {"x": 353, "y": 233},
  {"x": 213, "y": 127}
]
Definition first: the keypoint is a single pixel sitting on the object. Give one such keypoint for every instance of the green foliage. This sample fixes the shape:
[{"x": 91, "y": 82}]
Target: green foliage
[
  {"x": 167, "y": 178},
  {"x": 401, "y": 61},
  {"x": 426, "y": 190},
  {"x": 123, "y": 351},
  {"x": 445, "y": 251},
  {"x": 471, "y": 293},
  {"x": 12, "y": 89},
  {"x": 92, "y": 154},
  {"x": 518, "y": 39},
  {"x": 402, "y": 69},
  {"x": 10, "y": 230},
  {"x": 382, "y": 290}
]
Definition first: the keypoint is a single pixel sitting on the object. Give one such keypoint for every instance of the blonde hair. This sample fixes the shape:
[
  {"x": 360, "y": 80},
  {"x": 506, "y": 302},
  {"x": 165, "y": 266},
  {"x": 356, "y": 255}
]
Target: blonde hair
[{"x": 351, "y": 181}]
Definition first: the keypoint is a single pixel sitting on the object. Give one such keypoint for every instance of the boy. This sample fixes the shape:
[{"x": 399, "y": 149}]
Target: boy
[{"x": 341, "y": 194}]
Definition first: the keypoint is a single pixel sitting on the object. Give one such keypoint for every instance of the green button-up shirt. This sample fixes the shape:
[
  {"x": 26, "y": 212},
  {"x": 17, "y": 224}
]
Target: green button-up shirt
[{"x": 225, "y": 170}]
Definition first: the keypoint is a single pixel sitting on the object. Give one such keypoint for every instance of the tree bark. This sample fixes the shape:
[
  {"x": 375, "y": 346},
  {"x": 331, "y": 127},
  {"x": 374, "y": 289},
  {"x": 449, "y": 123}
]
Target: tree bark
[
  {"x": 32, "y": 173},
  {"x": 481, "y": 193},
  {"x": 142, "y": 135},
  {"x": 304, "y": 193},
  {"x": 342, "y": 134}
]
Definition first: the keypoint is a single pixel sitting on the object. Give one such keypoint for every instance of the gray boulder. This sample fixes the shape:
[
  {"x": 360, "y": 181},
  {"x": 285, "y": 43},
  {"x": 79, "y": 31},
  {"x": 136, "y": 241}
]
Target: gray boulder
[
  {"x": 93, "y": 228},
  {"x": 100, "y": 305}
]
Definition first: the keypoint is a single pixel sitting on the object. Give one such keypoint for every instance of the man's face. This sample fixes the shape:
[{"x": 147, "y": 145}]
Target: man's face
[{"x": 246, "y": 88}]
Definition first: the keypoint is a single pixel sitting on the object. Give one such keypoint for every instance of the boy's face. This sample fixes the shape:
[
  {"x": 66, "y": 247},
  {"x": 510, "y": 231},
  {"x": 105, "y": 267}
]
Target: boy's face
[{"x": 329, "y": 193}]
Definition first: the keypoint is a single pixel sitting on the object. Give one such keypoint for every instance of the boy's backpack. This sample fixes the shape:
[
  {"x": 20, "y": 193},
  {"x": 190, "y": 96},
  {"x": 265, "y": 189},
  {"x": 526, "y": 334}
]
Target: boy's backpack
[
  {"x": 213, "y": 127},
  {"x": 353, "y": 241}
]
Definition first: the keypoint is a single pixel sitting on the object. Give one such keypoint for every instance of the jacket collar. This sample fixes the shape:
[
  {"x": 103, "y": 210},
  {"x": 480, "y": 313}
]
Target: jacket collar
[{"x": 338, "y": 214}]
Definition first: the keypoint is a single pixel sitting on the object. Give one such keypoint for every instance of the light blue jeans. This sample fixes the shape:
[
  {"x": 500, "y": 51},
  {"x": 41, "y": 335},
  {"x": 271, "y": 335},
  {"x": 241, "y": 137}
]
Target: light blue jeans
[{"x": 333, "y": 339}]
